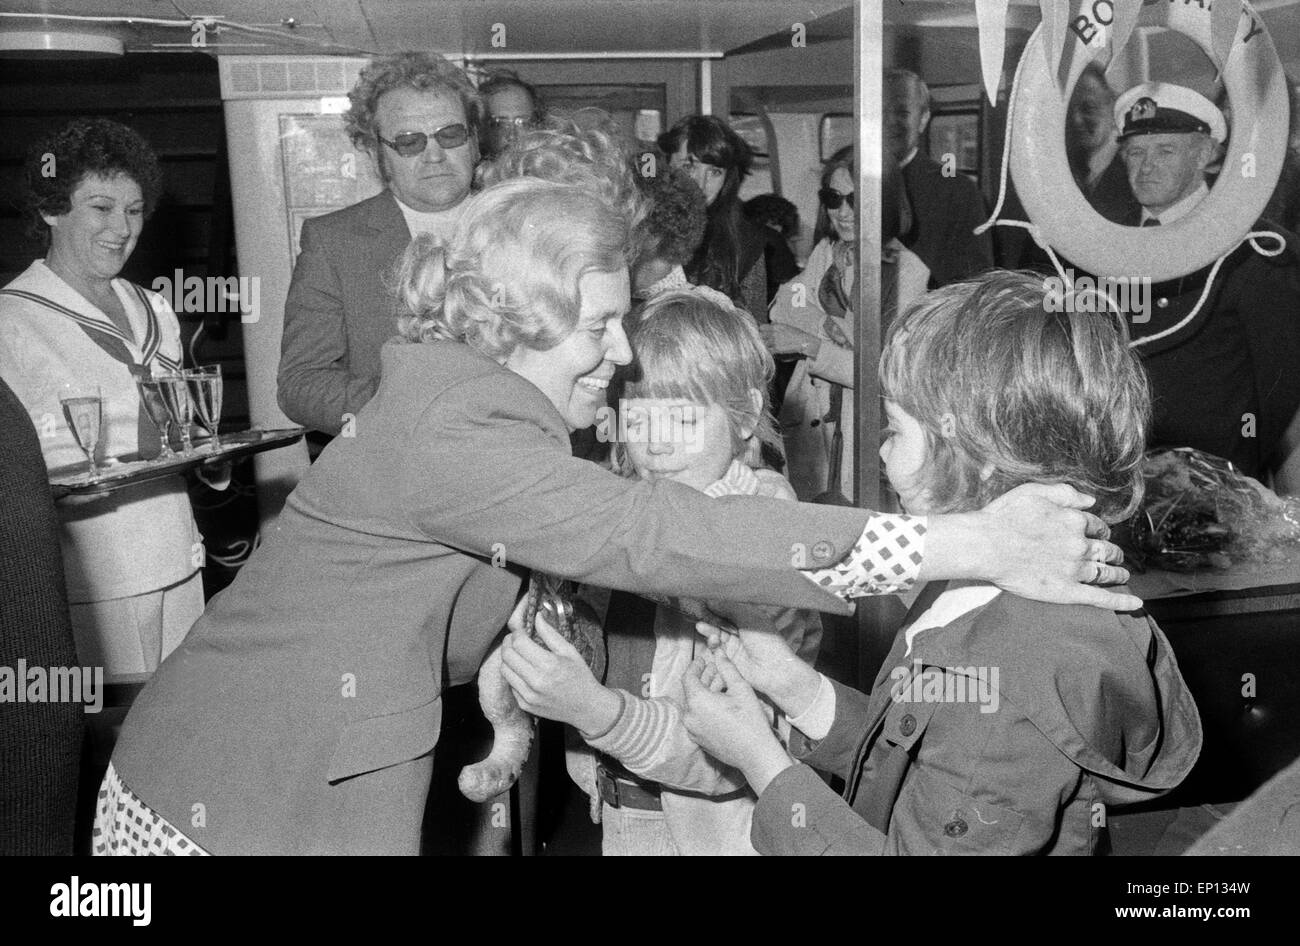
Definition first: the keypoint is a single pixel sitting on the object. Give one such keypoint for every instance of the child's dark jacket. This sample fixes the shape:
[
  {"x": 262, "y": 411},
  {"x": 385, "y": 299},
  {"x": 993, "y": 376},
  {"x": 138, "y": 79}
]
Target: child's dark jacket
[{"x": 1091, "y": 712}]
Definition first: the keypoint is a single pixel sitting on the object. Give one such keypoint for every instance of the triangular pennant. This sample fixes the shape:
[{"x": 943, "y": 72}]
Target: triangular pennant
[
  {"x": 1225, "y": 16},
  {"x": 1126, "y": 17},
  {"x": 1056, "y": 13},
  {"x": 992, "y": 18}
]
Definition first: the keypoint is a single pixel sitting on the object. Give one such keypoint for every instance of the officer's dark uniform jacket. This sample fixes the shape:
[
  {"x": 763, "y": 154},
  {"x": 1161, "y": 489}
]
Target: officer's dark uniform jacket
[{"x": 1228, "y": 382}]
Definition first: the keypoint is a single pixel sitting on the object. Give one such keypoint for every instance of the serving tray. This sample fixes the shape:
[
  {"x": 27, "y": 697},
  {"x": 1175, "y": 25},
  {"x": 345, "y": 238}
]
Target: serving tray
[{"x": 130, "y": 470}]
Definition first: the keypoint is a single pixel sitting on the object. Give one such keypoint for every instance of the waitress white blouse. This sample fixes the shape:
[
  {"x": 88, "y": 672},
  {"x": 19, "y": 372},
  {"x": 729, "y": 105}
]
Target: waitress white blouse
[{"x": 120, "y": 549}]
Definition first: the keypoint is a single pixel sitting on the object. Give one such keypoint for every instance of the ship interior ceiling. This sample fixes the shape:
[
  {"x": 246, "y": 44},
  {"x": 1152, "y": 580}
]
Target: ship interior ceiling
[{"x": 221, "y": 90}]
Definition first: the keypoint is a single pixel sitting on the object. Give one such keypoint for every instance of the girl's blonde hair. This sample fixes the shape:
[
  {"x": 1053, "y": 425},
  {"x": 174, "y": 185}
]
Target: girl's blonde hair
[
  {"x": 999, "y": 380},
  {"x": 509, "y": 275},
  {"x": 689, "y": 346}
]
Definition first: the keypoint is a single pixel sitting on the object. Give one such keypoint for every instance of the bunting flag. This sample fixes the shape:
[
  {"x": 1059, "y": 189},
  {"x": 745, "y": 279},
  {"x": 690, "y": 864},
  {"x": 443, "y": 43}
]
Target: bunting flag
[
  {"x": 1126, "y": 17},
  {"x": 991, "y": 15},
  {"x": 1065, "y": 21},
  {"x": 1055, "y": 17},
  {"x": 1225, "y": 15}
]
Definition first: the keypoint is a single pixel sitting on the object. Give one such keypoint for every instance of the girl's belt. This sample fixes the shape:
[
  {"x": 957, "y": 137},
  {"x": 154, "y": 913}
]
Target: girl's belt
[{"x": 619, "y": 788}]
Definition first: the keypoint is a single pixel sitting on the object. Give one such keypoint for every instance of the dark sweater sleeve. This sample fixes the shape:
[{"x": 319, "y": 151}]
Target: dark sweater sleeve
[
  {"x": 798, "y": 815},
  {"x": 40, "y": 743}
]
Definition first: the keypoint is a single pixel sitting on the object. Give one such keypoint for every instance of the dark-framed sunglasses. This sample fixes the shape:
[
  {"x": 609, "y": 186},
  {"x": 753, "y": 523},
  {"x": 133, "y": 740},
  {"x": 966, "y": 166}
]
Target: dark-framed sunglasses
[
  {"x": 411, "y": 143},
  {"x": 832, "y": 199}
]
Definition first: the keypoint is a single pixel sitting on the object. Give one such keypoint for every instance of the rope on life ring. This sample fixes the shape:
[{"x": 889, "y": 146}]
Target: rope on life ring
[{"x": 1060, "y": 217}]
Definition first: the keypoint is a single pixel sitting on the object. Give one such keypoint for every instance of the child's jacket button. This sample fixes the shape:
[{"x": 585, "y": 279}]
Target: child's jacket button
[
  {"x": 907, "y": 725},
  {"x": 956, "y": 828}
]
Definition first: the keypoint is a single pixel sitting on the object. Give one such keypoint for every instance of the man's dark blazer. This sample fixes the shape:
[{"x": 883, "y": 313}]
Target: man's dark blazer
[
  {"x": 340, "y": 311},
  {"x": 945, "y": 212}
]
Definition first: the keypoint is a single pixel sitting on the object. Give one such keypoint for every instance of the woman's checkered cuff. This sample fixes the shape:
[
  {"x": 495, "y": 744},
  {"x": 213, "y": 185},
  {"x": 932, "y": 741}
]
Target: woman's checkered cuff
[{"x": 884, "y": 561}]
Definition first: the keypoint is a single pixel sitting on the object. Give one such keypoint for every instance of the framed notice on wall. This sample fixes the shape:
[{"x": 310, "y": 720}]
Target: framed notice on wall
[{"x": 322, "y": 171}]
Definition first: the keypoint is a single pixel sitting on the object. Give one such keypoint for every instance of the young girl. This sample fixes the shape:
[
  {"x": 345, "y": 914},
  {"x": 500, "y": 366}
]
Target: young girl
[
  {"x": 693, "y": 409},
  {"x": 997, "y": 724}
]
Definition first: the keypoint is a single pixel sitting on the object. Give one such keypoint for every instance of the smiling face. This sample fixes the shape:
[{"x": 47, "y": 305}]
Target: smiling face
[
  {"x": 707, "y": 177},
  {"x": 575, "y": 374},
  {"x": 94, "y": 239},
  {"x": 438, "y": 178},
  {"x": 904, "y": 452},
  {"x": 843, "y": 218},
  {"x": 677, "y": 439},
  {"x": 1165, "y": 168}
]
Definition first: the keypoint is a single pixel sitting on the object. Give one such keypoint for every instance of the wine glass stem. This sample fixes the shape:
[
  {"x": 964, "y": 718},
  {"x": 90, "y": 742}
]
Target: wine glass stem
[{"x": 186, "y": 447}]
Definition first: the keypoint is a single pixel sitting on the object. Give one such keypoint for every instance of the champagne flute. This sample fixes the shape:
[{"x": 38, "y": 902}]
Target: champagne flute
[
  {"x": 176, "y": 396},
  {"x": 155, "y": 405},
  {"x": 83, "y": 409},
  {"x": 205, "y": 391}
]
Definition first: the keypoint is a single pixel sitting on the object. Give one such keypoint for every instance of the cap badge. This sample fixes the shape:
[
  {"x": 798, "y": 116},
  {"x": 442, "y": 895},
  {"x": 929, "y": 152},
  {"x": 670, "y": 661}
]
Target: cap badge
[{"x": 1143, "y": 109}]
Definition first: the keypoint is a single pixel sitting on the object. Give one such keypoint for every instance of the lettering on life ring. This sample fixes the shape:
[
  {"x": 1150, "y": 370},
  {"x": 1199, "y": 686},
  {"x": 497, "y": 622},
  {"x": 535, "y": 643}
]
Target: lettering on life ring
[{"x": 1257, "y": 94}]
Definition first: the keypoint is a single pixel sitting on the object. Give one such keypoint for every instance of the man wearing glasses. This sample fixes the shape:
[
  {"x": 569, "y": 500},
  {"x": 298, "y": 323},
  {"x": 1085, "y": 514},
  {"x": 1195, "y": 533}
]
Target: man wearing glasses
[
  {"x": 418, "y": 116},
  {"x": 513, "y": 107}
]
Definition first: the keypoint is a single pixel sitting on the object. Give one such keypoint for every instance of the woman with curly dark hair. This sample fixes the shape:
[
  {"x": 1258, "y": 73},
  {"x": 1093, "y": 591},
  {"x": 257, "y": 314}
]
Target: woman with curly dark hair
[
  {"x": 132, "y": 570},
  {"x": 671, "y": 232},
  {"x": 731, "y": 257}
]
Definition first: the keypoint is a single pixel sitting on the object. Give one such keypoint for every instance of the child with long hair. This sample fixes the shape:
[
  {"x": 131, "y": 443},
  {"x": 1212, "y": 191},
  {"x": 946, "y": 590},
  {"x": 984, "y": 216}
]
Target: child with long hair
[
  {"x": 692, "y": 408},
  {"x": 997, "y": 725}
]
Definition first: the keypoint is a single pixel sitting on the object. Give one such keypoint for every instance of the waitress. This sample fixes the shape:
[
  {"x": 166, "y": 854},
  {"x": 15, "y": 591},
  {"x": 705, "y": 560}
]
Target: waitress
[
  {"x": 301, "y": 714},
  {"x": 132, "y": 560}
]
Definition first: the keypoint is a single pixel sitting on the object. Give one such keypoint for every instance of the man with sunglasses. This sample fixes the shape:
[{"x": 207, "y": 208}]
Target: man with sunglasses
[
  {"x": 418, "y": 117},
  {"x": 946, "y": 208}
]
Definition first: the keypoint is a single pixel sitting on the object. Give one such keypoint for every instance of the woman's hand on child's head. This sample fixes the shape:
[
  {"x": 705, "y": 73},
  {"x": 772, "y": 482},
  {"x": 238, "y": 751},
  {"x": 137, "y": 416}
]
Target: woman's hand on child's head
[
  {"x": 766, "y": 661},
  {"x": 554, "y": 681},
  {"x": 1041, "y": 544},
  {"x": 728, "y": 721}
]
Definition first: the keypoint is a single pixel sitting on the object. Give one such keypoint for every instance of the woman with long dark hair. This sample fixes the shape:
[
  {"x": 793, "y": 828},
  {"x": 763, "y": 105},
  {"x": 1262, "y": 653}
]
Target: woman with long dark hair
[{"x": 731, "y": 257}]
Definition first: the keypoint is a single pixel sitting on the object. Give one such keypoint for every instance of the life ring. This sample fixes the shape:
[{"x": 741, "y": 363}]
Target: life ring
[{"x": 1257, "y": 93}]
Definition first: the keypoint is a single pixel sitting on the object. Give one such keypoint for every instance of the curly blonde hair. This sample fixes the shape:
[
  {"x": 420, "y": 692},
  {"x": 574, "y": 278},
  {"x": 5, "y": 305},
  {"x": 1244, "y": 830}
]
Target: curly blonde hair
[
  {"x": 586, "y": 147},
  {"x": 509, "y": 276}
]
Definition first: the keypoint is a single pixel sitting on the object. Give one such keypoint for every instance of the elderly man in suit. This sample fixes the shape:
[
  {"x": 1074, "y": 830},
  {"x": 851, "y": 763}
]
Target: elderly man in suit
[
  {"x": 1222, "y": 374},
  {"x": 946, "y": 208},
  {"x": 419, "y": 117}
]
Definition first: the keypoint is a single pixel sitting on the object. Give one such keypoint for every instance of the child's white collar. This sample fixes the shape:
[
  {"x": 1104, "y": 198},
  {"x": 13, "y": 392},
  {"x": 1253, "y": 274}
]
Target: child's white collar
[{"x": 956, "y": 600}]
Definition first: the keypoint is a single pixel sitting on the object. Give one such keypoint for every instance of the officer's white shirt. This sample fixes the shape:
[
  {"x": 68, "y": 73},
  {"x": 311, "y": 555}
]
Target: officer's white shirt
[{"x": 1179, "y": 210}]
